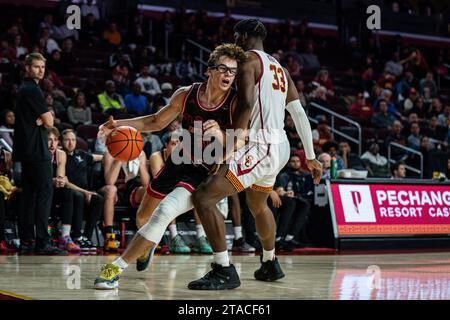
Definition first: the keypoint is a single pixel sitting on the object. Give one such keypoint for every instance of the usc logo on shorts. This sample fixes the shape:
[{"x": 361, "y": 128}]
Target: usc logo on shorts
[{"x": 248, "y": 161}]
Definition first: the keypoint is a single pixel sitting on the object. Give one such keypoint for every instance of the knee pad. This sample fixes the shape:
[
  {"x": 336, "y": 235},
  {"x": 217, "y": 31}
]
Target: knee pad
[{"x": 176, "y": 203}]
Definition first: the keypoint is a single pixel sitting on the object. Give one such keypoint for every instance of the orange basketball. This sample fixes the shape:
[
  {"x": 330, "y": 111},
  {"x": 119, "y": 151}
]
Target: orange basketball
[{"x": 124, "y": 143}]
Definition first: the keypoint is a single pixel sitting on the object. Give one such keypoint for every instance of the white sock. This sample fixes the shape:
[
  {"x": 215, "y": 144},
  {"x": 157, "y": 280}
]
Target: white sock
[
  {"x": 277, "y": 239},
  {"x": 200, "y": 231},
  {"x": 222, "y": 258},
  {"x": 120, "y": 263},
  {"x": 289, "y": 237},
  {"x": 237, "y": 232},
  {"x": 173, "y": 230},
  {"x": 268, "y": 255},
  {"x": 65, "y": 230}
]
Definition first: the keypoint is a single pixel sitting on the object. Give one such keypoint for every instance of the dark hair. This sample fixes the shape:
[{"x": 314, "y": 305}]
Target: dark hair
[
  {"x": 395, "y": 166},
  {"x": 253, "y": 28},
  {"x": 3, "y": 116},
  {"x": 328, "y": 145}
]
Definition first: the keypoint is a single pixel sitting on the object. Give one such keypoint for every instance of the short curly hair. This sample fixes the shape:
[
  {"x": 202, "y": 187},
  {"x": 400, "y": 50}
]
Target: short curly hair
[{"x": 229, "y": 50}]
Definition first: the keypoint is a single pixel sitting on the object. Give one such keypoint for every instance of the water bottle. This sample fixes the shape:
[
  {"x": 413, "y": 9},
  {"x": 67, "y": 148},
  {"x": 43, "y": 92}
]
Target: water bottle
[{"x": 333, "y": 168}]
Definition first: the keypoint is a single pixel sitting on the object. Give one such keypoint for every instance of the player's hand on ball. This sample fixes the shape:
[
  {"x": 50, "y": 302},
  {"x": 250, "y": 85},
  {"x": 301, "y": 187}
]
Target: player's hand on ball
[
  {"x": 316, "y": 170},
  {"x": 106, "y": 128}
]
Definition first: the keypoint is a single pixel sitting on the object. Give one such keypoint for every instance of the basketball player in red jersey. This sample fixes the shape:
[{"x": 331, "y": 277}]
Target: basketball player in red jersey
[
  {"x": 265, "y": 91},
  {"x": 212, "y": 103}
]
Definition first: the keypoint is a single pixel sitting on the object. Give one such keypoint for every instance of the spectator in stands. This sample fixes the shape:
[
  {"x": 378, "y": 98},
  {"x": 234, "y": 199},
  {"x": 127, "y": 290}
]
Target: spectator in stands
[
  {"x": 77, "y": 170},
  {"x": 68, "y": 58},
  {"x": 325, "y": 160},
  {"x": 361, "y": 109},
  {"x": 90, "y": 32},
  {"x": 421, "y": 109},
  {"x": 433, "y": 131},
  {"x": 185, "y": 68},
  {"x": 427, "y": 98},
  {"x": 48, "y": 43},
  {"x": 5, "y": 193},
  {"x": 309, "y": 59},
  {"x": 64, "y": 32},
  {"x": 121, "y": 78},
  {"x": 386, "y": 95},
  {"x": 79, "y": 113},
  {"x": 7, "y": 121},
  {"x": 319, "y": 96},
  {"x": 397, "y": 136},
  {"x": 404, "y": 86},
  {"x": 416, "y": 62},
  {"x": 292, "y": 185},
  {"x": 322, "y": 133},
  {"x": 444, "y": 117},
  {"x": 415, "y": 137},
  {"x": 300, "y": 85},
  {"x": 351, "y": 160},
  {"x": 112, "y": 35},
  {"x": 323, "y": 79},
  {"x": 331, "y": 147},
  {"x": 48, "y": 24},
  {"x": 137, "y": 103},
  {"x": 89, "y": 8},
  {"x": 57, "y": 65},
  {"x": 375, "y": 163},
  {"x": 435, "y": 109},
  {"x": 150, "y": 86},
  {"x": 428, "y": 82},
  {"x": 382, "y": 119},
  {"x": 293, "y": 67},
  {"x": 394, "y": 66},
  {"x": 110, "y": 102},
  {"x": 56, "y": 105},
  {"x": 19, "y": 48},
  {"x": 398, "y": 170},
  {"x": 7, "y": 54},
  {"x": 164, "y": 98}
]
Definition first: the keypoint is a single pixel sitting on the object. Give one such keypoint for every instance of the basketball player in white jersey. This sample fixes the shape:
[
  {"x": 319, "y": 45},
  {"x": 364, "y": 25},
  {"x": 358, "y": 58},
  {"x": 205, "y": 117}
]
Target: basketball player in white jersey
[{"x": 265, "y": 90}]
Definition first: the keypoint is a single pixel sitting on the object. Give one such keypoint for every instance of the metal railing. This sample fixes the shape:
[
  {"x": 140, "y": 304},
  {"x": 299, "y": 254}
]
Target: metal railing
[
  {"x": 333, "y": 114},
  {"x": 394, "y": 144},
  {"x": 202, "y": 56}
]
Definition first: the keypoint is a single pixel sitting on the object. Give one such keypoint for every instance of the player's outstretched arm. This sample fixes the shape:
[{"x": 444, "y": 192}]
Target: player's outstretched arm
[
  {"x": 303, "y": 127},
  {"x": 153, "y": 122}
]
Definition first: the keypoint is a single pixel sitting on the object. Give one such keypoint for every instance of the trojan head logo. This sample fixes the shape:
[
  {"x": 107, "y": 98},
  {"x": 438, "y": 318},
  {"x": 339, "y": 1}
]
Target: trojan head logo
[
  {"x": 356, "y": 198},
  {"x": 357, "y": 203},
  {"x": 248, "y": 161}
]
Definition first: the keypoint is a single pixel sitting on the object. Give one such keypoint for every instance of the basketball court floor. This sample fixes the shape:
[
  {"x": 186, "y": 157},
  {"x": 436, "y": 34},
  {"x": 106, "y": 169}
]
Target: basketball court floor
[{"x": 405, "y": 276}]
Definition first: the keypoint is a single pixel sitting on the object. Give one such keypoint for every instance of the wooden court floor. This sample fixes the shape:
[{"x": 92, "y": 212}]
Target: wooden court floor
[{"x": 410, "y": 276}]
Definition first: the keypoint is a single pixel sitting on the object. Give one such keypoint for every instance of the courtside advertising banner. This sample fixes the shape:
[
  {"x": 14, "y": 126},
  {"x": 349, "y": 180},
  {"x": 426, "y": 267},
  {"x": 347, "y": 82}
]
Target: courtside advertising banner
[{"x": 389, "y": 209}]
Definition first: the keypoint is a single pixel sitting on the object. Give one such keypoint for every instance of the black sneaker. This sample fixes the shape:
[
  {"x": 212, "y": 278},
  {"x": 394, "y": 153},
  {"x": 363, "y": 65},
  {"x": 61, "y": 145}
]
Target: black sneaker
[
  {"x": 49, "y": 250},
  {"x": 270, "y": 270},
  {"x": 27, "y": 247},
  {"x": 85, "y": 245},
  {"x": 219, "y": 278}
]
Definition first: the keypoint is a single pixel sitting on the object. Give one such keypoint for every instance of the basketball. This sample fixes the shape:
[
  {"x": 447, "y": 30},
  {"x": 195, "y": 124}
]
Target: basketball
[{"x": 124, "y": 143}]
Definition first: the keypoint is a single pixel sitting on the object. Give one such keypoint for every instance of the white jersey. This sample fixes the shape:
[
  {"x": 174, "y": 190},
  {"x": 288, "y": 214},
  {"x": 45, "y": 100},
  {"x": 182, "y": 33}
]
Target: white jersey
[{"x": 267, "y": 119}]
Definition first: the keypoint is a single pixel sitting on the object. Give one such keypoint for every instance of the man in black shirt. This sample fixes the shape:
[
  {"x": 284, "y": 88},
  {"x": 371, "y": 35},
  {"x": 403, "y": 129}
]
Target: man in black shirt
[
  {"x": 31, "y": 149},
  {"x": 77, "y": 169}
]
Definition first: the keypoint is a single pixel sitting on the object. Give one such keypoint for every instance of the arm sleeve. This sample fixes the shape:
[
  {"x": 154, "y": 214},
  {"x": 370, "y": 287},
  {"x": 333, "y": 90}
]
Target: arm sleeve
[{"x": 303, "y": 127}]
